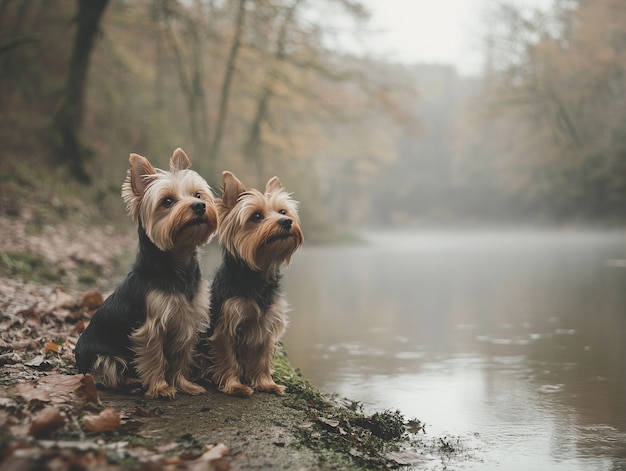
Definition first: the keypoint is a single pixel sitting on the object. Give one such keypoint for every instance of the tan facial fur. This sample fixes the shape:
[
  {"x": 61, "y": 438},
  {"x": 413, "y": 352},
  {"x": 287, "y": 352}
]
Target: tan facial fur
[
  {"x": 249, "y": 223},
  {"x": 162, "y": 202}
]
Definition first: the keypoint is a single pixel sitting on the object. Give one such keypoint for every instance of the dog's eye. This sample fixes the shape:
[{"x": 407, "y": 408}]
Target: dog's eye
[
  {"x": 282, "y": 211},
  {"x": 198, "y": 195},
  {"x": 256, "y": 217},
  {"x": 167, "y": 202}
]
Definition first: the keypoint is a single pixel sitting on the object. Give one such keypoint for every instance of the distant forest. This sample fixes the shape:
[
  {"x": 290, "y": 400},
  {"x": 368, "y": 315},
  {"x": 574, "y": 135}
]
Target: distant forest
[{"x": 259, "y": 88}]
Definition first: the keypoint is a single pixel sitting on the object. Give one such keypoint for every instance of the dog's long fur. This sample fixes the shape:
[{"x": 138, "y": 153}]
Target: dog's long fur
[
  {"x": 147, "y": 329},
  {"x": 259, "y": 232}
]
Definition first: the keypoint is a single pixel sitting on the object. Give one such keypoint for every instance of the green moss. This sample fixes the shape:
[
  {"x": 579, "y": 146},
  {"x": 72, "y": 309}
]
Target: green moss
[
  {"x": 87, "y": 276},
  {"x": 136, "y": 440},
  {"x": 27, "y": 266},
  {"x": 302, "y": 394},
  {"x": 340, "y": 433},
  {"x": 388, "y": 425},
  {"x": 30, "y": 267},
  {"x": 191, "y": 444}
]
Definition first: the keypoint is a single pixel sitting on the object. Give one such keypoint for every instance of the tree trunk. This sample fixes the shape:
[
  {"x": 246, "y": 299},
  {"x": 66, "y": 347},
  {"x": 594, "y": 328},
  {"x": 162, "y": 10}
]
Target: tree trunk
[
  {"x": 253, "y": 148},
  {"x": 228, "y": 79},
  {"x": 189, "y": 54},
  {"x": 68, "y": 118}
]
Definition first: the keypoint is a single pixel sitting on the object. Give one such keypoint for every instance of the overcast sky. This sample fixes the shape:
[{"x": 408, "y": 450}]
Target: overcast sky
[{"x": 436, "y": 31}]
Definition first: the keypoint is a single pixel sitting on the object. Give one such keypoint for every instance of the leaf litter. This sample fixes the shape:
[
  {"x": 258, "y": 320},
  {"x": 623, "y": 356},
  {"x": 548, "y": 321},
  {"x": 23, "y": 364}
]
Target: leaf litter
[{"x": 51, "y": 417}]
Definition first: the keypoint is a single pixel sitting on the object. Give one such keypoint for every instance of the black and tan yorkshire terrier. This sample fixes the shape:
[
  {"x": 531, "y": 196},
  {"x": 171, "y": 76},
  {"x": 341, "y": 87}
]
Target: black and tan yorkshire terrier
[
  {"x": 147, "y": 329},
  {"x": 259, "y": 232}
]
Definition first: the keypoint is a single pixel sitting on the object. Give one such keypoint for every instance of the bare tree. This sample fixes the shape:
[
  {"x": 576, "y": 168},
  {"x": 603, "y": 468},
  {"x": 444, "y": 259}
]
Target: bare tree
[
  {"x": 227, "y": 82},
  {"x": 185, "y": 30},
  {"x": 298, "y": 68},
  {"x": 68, "y": 118},
  {"x": 564, "y": 82},
  {"x": 253, "y": 143}
]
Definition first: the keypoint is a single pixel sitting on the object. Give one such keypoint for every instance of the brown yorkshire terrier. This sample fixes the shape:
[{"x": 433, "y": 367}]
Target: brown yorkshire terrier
[
  {"x": 147, "y": 329},
  {"x": 259, "y": 232}
]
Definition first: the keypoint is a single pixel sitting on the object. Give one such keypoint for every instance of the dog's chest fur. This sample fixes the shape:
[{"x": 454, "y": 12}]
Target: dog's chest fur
[
  {"x": 246, "y": 303},
  {"x": 173, "y": 318},
  {"x": 176, "y": 299}
]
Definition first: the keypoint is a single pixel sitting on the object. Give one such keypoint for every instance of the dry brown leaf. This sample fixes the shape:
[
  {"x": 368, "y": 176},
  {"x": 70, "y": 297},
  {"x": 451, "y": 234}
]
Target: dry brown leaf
[
  {"x": 68, "y": 388},
  {"x": 87, "y": 390},
  {"x": 30, "y": 393},
  {"x": 39, "y": 362},
  {"x": 63, "y": 300},
  {"x": 215, "y": 452},
  {"x": 92, "y": 300},
  {"x": 81, "y": 325},
  {"x": 50, "y": 347},
  {"x": 46, "y": 421},
  {"x": 108, "y": 419}
]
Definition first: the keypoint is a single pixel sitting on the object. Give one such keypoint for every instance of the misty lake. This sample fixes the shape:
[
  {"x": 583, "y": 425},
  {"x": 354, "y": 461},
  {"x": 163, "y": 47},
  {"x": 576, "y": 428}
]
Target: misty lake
[{"x": 514, "y": 343}]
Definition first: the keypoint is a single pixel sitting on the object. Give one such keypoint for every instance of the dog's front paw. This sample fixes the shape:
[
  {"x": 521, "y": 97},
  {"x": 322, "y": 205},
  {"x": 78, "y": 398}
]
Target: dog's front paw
[
  {"x": 161, "y": 390},
  {"x": 272, "y": 387},
  {"x": 190, "y": 388},
  {"x": 235, "y": 388}
]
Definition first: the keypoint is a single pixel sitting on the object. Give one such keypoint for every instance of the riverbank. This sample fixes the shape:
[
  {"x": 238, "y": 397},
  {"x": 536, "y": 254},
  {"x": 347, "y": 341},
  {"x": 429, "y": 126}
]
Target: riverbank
[{"x": 52, "y": 417}]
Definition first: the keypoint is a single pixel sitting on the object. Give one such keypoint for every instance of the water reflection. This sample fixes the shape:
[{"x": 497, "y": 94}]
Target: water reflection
[{"x": 517, "y": 338}]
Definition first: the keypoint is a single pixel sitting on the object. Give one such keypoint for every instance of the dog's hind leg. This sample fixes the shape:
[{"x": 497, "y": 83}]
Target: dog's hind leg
[{"x": 109, "y": 371}]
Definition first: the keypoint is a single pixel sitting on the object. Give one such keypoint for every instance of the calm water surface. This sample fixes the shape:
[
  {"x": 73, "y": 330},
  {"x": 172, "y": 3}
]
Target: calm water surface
[{"x": 514, "y": 342}]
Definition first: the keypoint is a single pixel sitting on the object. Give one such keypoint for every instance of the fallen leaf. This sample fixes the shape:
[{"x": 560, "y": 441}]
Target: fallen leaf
[
  {"x": 10, "y": 358},
  {"x": 92, "y": 300},
  {"x": 108, "y": 419},
  {"x": 30, "y": 393},
  {"x": 67, "y": 388},
  {"x": 50, "y": 347},
  {"x": 87, "y": 390},
  {"x": 80, "y": 326},
  {"x": 63, "y": 300},
  {"x": 329, "y": 423},
  {"x": 214, "y": 452},
  {"x": 36, "y": 362},
  {"x": 46, "y": 421}
]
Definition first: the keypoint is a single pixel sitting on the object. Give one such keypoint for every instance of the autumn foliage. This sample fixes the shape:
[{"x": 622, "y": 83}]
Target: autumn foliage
[{"x": 260, "y": 88}]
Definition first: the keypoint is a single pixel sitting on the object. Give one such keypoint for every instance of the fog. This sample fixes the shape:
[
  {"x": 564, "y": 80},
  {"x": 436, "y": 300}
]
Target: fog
[
  {"x": 483, "y": 289},
  {"x": 362, "y": 139}
]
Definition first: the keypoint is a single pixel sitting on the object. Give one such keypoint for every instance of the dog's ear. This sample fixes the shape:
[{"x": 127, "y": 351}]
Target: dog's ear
[
  {"x": 232, "y": 189},
  {"x": 273, "y": 184},
  {"x": 140, "y": 170},
  {"x": 179, "y": 161}
]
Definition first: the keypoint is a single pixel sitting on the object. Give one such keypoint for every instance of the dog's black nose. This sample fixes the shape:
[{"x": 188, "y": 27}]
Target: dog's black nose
[
  {"x": 285, "y": 223},
  {"x": 198, "y": 207}
]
